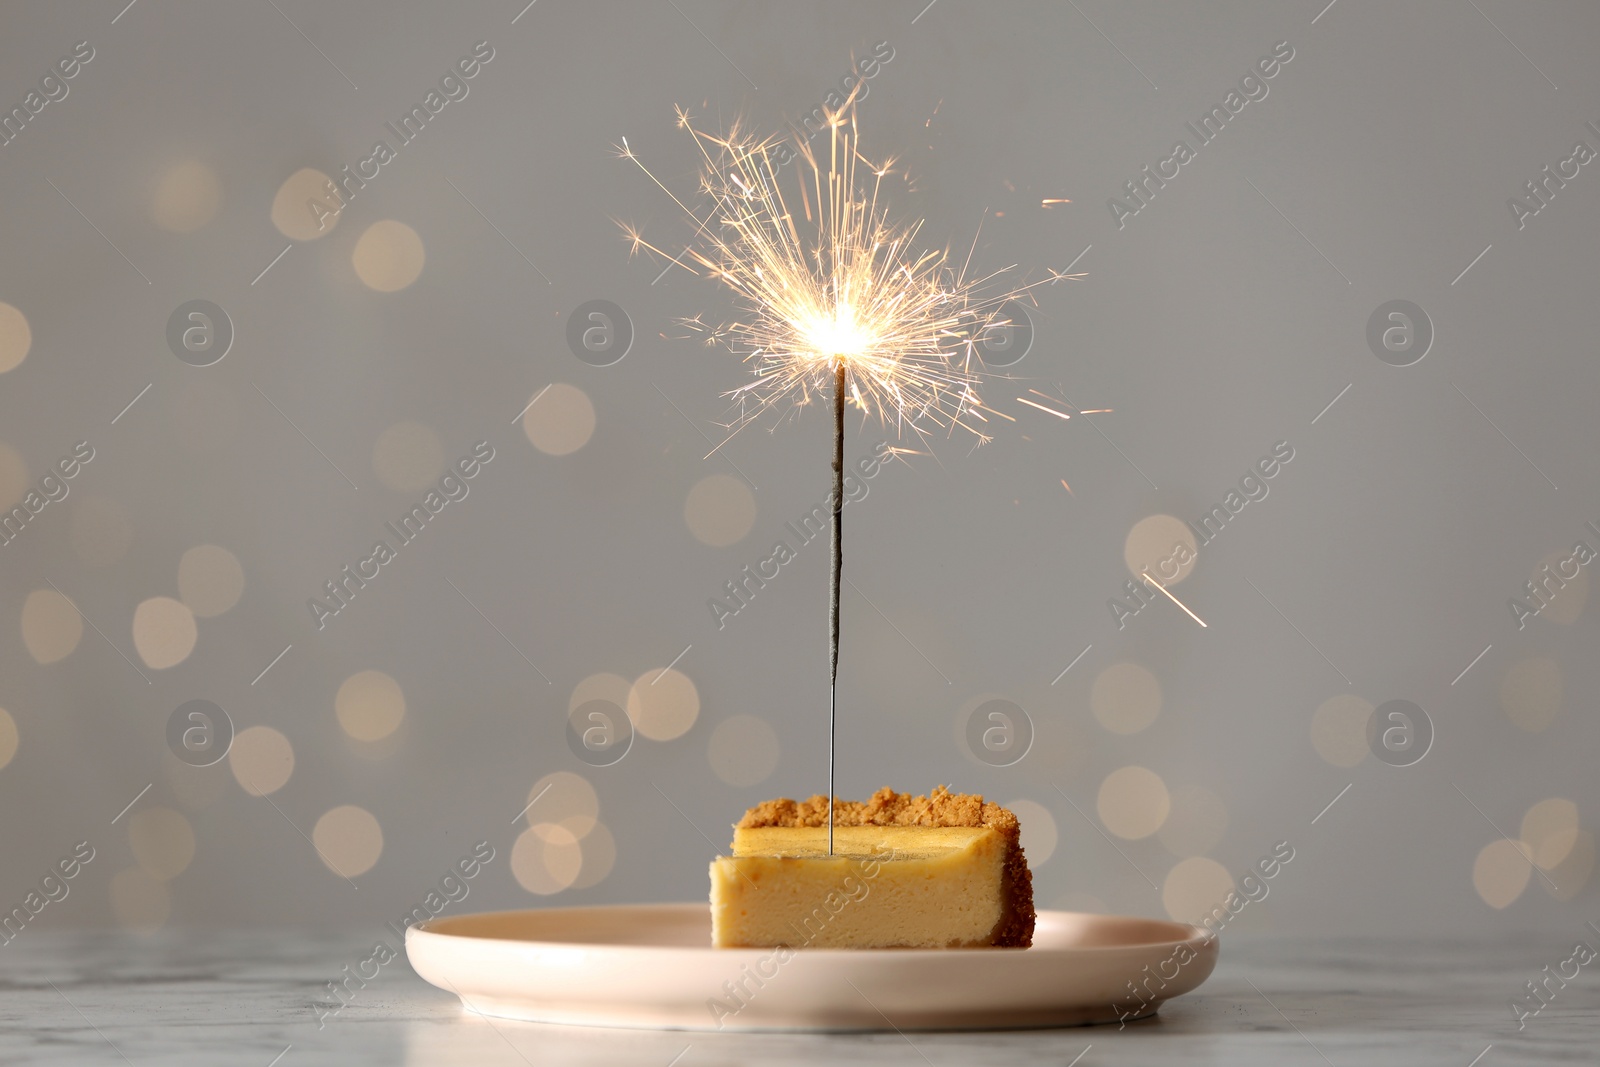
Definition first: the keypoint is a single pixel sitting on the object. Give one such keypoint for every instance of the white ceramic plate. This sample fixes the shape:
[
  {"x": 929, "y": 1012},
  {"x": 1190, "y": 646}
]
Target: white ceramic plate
[{"x": 653, "y": 966}]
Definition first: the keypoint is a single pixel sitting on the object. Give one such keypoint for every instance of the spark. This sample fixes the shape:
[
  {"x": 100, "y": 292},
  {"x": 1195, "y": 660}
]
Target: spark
[
  {"x": 1067, "y": 487},
  {"x": 1041, "y": 407},
  {"x": 1174, "y": 599},
  {"x": 823, "y": 278},
  {"x": 1051, "y": 202}
]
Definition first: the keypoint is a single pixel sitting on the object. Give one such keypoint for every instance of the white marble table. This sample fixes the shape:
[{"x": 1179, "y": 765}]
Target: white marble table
[{"x": 245, "y": 998}]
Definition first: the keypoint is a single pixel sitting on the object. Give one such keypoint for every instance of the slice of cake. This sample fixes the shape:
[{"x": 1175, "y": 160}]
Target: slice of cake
[{"x": 941, "y": 871}]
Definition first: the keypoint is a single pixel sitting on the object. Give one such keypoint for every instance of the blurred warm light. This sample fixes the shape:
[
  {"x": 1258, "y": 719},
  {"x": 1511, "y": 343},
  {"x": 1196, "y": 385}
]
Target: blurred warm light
[
  {"x": 1133, "y": 802},
  {"x": 561, "y": 421},
  {"x": 1125, "y": 697},
  {"x": 1162, "y": 546},
  {"x": 1531, "y": 693},
  {"x": 162, "y": 841},
  {"x": 99, "y": 531},
  {"x": 186, "y": 198},
  {"x": 388, "y": 257},
  {"x": 349, "y": 840},
  {"x": 1199, "y": 819},
  {"x": 562, "y": 803},
  {"x": 601, "y": 686},
  {"x": 13, "y": 477},
  {"x": 1548, "y": 828},
  {"x": 663, "y": 704},
  {"x": 163, "y": 632},
  {"x": 210, "y": 580},
  {"x": 1339, "y": 730},
  {"x": 291, "y": 207},
  {"x": 719, "y": 510},
  {"x": 370, "y": 705},
  {"x": 1194, "y": 888},
  {"x": 743, "y": 751},
  {"x": 261, "y": 759},
  {"x": 546, "y": 863},
  {"x": 1039, "y": 834},
  {"x": 1571, "y": 873},
  {"x": 8, "y": 737},
  {"x": 1562, "y": 605},
  {"x": 599, "y": 856},
  {"x": 51, "y": 626},
  {"x": 1501, "y": 872},
  {"x": 139, "y": 900},
  {"x": 408, "y": 457},
  {"x": 16, "y": 337}
]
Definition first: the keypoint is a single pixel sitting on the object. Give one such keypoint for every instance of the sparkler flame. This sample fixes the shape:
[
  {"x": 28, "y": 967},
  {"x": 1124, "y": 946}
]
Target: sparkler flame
[{"x": 840, "y": 284}]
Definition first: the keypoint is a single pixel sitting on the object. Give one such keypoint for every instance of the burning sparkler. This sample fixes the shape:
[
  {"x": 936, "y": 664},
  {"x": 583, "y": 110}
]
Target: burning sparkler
[{"x": 837, "y": 300}]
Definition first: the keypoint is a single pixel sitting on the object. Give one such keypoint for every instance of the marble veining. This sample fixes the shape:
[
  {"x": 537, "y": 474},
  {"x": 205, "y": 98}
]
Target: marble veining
[{"x": 246, "y": 998}]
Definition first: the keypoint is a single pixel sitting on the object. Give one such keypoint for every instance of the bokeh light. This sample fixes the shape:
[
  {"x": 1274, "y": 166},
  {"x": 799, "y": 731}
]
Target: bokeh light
[
  {"x": 743, "y": 750},
  {"x": 51, "y": 626},
  {"x": 1563, "y": 604},
  {"x": 1133, "y": 802},
  {"x": 162, "y": 841},
  {"x": 210, "y": 580},
  {"x": 9, "y": 737},
  {"x": 1501, "y": 872},
  {"x": 186, "y": 197},
  {"x": 561, "y": 421},
  {"x": 663, "y": 704},
  {"x": 261, "y": 759},
  {"x": 1194, "y": 888},
  {"x": 719, "y": 510},
  {"x": 1531, "y": 693},
  {"x": 1125, "y": 697},
  {"x": 1163, "y": 546},
  {"x": 164, "y": 632},
  {"x": 546, "y": 863},
  {"x": 1547, "y": 828},
  {"x": 370, "y": 705},
  {"x": 1339, "y": 730},
  {"x": 562, "y": 801},
  {"x": 599, "y": 857},
  {"x": 348, "y": 839},
  {"x": 600, "y": 686},
  {"x": 388, "y": 256},
  {"x": 291, "y": 207},
  {"x": 1039, "y": 833},
  {"x": 16, "y": 337},
  {"x": 1566, "y": 878}
]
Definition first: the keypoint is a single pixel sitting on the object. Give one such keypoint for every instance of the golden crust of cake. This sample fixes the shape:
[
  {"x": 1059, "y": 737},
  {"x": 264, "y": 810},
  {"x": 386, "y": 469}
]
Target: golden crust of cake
[
  {"x": 939, "y": 808},
  {"x": 886, "y": 808}
]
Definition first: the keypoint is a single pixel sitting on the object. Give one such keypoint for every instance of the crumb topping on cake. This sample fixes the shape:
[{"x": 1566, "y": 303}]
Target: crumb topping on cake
[{"x": 886, "y": 808}]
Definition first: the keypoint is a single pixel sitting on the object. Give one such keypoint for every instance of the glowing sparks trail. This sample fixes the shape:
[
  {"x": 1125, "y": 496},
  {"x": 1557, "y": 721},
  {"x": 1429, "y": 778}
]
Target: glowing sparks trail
[
  {"x": 1174, "y": 599},
  {"x": 825, "y": 280},
  {"x": 836, "y": 301}
]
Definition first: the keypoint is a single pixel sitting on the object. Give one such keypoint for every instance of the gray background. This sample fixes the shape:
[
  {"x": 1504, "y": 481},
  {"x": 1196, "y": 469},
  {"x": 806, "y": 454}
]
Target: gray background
[{"x": 1215, "y": 323}]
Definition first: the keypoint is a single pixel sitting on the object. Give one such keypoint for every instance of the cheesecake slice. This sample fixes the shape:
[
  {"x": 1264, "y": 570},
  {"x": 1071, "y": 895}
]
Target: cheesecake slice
[{"x": 941, "y": 871}]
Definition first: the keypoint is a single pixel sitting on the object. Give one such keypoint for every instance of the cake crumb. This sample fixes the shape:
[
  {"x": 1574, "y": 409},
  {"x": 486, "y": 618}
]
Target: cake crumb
[{"x": 886, "y": 808}]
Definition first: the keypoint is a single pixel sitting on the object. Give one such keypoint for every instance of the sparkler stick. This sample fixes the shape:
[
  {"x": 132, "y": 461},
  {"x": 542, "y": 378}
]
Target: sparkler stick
[
  {"x": 835, "y": 298},
  {"x": 835, "y": 572}
]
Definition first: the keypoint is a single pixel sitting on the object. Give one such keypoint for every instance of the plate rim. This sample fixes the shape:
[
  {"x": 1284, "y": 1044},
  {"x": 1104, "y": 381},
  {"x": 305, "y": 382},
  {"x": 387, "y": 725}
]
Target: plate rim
[{"x": 1195, "y": 934}]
